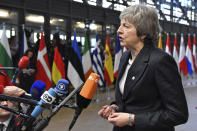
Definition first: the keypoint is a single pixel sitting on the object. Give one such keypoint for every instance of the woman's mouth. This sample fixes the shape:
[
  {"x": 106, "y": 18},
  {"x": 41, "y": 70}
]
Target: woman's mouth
[{"x": 120, "y": 38}]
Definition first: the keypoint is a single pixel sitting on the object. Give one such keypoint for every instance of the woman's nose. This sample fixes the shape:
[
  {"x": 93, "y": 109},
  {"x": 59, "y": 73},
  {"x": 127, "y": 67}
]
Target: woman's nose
[{"x": 119, "y": 31}]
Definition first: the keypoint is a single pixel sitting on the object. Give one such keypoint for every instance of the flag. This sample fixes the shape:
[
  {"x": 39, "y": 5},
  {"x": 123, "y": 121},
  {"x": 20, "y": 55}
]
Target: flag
[
  {"x": 58, "y": 68},
  {"x": 76, "y": 47},
  {"x": 43, "y": 68},
  {"x": 160, "y": 42},
  {"x": 194, "y": 53},
  {"x": 74, "y": 69},
  {"x": 24, "y": 46},
  {"x": 86, "y": 59},
  {"x": 182, "y": 58},
  {"x": 108, "y": 65},
  {"x": 168, "y": 49},
  {"x": 188, "y": 55},
  {"x": 117, "y": 57},
  {"x": 97, "y": 62},
  {"x": 175, "y": 50},
  {"x": 5, "y": 58}
]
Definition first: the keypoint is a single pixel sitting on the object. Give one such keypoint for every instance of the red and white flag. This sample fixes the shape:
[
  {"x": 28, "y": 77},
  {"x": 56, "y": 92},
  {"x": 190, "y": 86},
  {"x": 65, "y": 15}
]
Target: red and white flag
[
  {"x": 43, "y": 67},
  {"x": 194, "y": 53},
  {"x": 168, "y": 49},
  {"x": 175, "y": 51},
  {"x": 117, "y": 57},
  {"x": 182, "y": 57}
]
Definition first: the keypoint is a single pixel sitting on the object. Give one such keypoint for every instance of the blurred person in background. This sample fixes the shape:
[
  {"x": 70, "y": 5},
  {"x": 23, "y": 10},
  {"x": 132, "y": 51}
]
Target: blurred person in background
[
  {"x": 27, "y": 76},
  {"x": 14, "y": 46}
]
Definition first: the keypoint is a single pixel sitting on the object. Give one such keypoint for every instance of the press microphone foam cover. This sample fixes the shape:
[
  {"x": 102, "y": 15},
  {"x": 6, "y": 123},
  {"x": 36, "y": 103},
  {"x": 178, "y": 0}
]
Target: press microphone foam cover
[
  {"x": 62, "y": 87},
  {"x": 90, "y": 86},
  {"x": 23, "y": 63},
  {"x": 37, "y": 89}
]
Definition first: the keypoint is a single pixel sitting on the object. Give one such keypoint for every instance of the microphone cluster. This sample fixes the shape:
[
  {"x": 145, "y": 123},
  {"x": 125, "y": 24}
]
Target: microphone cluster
[{"x": 54, "y": 99}]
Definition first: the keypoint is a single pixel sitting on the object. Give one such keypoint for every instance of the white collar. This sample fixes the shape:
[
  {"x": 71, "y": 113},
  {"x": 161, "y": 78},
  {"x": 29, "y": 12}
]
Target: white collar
[{"x": 130, "y": 62}]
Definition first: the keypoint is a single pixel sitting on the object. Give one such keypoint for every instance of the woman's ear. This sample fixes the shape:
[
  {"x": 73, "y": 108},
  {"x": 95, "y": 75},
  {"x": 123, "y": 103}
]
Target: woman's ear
[{"x": 142, "y": 37}]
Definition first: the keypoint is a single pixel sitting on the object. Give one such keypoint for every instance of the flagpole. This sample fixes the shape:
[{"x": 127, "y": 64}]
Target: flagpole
[
  {"x": 41, "y": 28},
  {"x": 97, "y": 90},
  {"x": 23, "y": 26},
  {"x": 97, "y": 95},
  {"x": 3, "y": 24},
  {"x": 108, "y": 92}
]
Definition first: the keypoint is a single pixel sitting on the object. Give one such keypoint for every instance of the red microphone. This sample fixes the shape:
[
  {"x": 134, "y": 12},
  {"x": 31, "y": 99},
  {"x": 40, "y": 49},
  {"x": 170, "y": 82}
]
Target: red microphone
[{"x": 23, "y": 63}]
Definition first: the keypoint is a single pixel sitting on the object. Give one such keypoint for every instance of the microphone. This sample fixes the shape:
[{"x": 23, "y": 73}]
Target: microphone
[
  {"x": 47, "y": 98},
  {"x": 23, "y": 63},
  {"x": 88, "y": 91},
  {"x": 62, "y": 88},
  {"x": 85, "y": 96},
  {"x": 50, "y": 96},
  {"x": 37, "y": 89}
]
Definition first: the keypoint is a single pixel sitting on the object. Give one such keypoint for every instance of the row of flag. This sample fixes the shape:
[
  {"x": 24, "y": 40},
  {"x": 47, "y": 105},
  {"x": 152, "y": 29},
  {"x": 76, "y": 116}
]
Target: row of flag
[
  {"x": 75, "y": 65},
  {"x": 185, "y": 58}
]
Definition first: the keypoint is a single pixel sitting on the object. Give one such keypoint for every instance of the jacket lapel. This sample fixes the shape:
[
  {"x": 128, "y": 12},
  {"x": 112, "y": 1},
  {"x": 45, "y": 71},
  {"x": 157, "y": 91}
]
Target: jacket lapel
[
  {"x": 121, "y": 70},
  {"x": 137, "y": 69},
  {"x": 123, "y": 65}
]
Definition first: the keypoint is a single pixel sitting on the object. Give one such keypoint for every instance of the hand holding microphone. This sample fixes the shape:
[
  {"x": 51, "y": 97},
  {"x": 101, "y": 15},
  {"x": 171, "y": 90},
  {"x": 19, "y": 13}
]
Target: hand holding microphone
[{"x": 23, "y": 63}]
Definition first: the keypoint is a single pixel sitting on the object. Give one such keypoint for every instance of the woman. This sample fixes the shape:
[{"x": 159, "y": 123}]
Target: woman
[
  {"x": 28, "y": 74},
  {"x": 149, "y": 94}
]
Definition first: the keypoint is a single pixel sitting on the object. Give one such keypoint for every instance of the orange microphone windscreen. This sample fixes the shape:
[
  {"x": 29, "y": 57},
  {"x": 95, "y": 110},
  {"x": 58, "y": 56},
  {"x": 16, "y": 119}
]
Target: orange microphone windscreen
[{"x": 90, "y": 86}]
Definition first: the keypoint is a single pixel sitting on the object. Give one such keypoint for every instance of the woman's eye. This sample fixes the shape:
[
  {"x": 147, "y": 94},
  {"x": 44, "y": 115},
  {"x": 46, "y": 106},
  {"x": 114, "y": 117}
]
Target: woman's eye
[{"x": 126, "y": 26}]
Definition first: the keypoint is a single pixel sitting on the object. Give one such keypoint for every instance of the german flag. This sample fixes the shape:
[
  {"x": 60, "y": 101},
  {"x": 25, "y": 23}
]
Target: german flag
[{"x": 58, "y": 68}]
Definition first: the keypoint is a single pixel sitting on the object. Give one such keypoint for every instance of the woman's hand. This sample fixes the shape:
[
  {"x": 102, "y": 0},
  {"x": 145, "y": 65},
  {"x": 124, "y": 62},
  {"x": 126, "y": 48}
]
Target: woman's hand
[
  {"x": 106, "y": 111},
  {"x": 24, "y": 70},
  {"x": 119, "y": 119},
  {"x": 32, "y": 70}
]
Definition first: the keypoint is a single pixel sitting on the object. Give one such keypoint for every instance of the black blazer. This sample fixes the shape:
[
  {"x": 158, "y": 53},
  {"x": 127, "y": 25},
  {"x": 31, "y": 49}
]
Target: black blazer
[
  {"x": 153, "y": 91},
  {"x": 12, "y": 126}
]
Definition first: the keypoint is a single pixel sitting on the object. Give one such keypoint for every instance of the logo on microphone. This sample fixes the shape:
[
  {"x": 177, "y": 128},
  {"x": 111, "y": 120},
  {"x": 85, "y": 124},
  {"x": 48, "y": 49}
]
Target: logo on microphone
[
  {"x": 61, "y": 86},
  {"x": 47, "y": 98},
  {"x": 90, "y": 78},
  {"x": 96, "y": 80}
]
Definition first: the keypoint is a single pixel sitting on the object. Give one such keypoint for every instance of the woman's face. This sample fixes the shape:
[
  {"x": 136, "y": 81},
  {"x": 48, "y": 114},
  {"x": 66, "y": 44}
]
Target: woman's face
[
  {"x": 128, "y": 34},
  {"x": 30, "y": 54}
]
